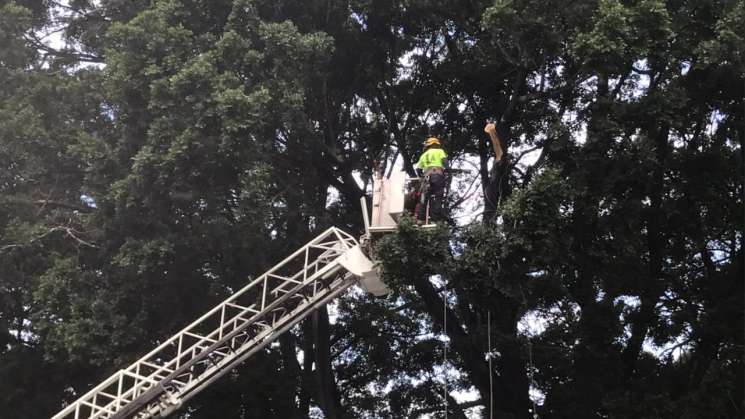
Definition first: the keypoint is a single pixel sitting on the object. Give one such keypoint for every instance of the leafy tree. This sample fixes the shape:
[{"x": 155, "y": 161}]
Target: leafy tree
[{"x": 171, "y": 148}]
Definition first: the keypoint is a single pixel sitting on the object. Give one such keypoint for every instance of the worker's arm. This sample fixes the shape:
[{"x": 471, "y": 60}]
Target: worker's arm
[{"x": 491, "y": 129}]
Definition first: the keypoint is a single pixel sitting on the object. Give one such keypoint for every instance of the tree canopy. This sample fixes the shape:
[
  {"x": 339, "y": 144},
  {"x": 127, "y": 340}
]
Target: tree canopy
[{"x": 154, "y": 154}]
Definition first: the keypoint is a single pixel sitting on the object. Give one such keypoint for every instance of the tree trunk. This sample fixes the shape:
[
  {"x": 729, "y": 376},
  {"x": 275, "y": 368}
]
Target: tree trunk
[
  {"x": 292, "y": 373},
  {"x": 510, "y": 385},
  {"x": 328, "y": 394},
  {"x": 652, "y": 288}
]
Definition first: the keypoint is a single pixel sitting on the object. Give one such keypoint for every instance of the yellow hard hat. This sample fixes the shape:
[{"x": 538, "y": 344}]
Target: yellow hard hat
[{"x": 431, "y": 141}]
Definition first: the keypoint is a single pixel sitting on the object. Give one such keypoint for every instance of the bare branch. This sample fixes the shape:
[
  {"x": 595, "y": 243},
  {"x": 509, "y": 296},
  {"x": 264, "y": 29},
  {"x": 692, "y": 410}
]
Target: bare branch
[
  {"x": 530, "y": 150},
  {"x": 71, "y": 232},
  {"x": 37, "y": 43},
  {"x": 50, "y": 203}
]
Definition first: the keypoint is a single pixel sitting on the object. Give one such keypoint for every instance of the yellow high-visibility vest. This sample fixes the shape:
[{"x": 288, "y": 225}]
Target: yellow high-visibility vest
[{"x": 432, "y": 158}]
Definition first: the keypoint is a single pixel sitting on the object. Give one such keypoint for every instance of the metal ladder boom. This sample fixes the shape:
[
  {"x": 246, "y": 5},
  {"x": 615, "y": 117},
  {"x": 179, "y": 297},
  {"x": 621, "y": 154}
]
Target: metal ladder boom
[{"x": 247, "y": 321}]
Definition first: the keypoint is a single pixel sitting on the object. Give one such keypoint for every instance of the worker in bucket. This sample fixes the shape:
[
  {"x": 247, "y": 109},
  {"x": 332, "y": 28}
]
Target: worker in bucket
[{"x": 431, "y": 167}]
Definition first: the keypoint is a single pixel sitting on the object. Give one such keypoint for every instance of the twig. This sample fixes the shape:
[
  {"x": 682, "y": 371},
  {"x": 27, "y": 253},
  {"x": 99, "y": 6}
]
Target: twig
[
  {"x": 68, "y": 230},
  {"x": 530, "y": 150},
  {"x": 47, "y": 202},
  {"x": 80, "y": 56}
]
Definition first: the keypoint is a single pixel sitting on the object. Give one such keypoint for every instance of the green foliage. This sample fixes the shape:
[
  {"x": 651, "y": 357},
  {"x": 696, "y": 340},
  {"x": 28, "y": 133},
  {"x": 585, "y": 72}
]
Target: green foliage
[
  {"x": 404, "y": 255},
  {"x": 217, "y": 136},
  {"x": 15, "y": 20},
  {"x": 79, "y": 318}
]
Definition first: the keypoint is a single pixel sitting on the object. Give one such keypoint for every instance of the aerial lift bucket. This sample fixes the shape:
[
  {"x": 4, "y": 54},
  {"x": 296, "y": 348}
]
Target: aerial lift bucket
[{"x": 388, "y": 203}]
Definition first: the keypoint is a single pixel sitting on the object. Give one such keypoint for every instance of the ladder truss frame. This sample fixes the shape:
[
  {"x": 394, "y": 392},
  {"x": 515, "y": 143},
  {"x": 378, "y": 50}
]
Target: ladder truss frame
[{"x": 244, "y": 323}]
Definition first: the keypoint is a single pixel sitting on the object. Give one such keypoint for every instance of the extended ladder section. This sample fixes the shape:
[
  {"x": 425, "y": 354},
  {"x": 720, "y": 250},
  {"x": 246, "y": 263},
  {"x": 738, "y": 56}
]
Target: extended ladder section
[{"x": 217, "y": 342}]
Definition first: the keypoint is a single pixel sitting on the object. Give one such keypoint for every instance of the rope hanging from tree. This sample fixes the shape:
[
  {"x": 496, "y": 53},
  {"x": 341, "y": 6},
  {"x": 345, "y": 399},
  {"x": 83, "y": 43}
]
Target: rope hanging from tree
[
  {"x": 445, "y": 344},
  {"x": 529, "y": 346},
  {"x": 489, "y": 358}
]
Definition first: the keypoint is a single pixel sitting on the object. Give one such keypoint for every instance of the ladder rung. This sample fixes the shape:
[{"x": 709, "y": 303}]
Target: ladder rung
[
  {"x": 242, "y": 308},
  {"x": 194, "y": 335},
  {"x": 96, "y": 409},
  {"x": 156, "y": 366},
  {"x": 237, "y": 318},
  {"x": 284, "y": 278},
  {"x": 181, "y": 383},
  {"x": 102, "y": 393}
]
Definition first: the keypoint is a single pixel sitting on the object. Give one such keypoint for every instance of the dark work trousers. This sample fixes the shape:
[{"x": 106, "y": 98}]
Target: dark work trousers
[{"x": 433, "y": 197}]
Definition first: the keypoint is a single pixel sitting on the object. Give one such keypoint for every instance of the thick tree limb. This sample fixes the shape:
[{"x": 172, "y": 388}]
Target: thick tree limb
[{"x": 653, "y": 289}]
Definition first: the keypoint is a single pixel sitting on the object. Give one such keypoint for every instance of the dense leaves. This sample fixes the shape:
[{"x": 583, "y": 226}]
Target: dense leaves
[{"x": 155, "y": 154}]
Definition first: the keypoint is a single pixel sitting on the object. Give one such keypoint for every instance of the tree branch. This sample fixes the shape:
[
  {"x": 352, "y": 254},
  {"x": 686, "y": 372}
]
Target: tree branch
[
  {"x": 37, "y": 43},
  {"x": 451, "y": 402},
  {"x": 50, "y": 203},
  {"x": 68, "y": 230}
]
